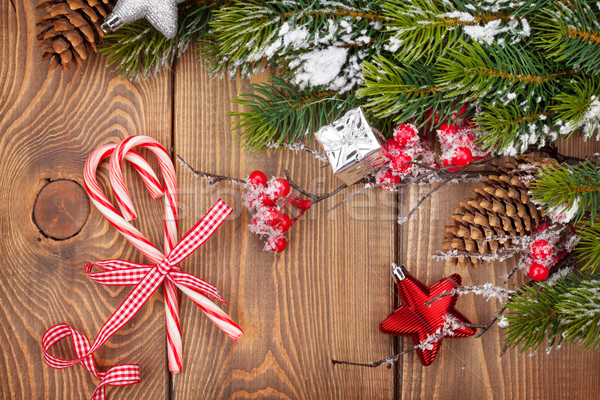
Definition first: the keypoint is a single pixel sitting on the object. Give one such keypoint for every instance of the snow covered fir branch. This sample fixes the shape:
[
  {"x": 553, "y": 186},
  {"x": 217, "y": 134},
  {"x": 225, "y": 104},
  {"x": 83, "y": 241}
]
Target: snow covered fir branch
[{"x": 527, "y": 69}]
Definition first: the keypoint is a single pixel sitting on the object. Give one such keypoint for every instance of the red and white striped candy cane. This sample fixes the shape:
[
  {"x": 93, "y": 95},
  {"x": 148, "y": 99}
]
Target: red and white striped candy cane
[
  {"x": 174, "y": 343},
  {"x": 121, "y": 152},
  {"x": 147, "y": 278}
]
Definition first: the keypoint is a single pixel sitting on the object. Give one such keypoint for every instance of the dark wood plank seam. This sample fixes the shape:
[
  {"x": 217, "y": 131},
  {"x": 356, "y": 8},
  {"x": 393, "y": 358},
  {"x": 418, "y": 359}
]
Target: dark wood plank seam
[
  {"x": 172, "y": 151},
  {"x": 399, "y": 256}
]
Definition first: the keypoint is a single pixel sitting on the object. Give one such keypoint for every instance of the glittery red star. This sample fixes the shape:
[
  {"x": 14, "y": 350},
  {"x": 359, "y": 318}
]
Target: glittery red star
[{"x": 421, "y": 321}]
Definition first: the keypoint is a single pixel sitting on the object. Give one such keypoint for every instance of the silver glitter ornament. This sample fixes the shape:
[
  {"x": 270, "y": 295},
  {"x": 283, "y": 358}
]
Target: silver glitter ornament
[
  {"x": 351, "y": 146},
  {"x": 162, "y": 14}
]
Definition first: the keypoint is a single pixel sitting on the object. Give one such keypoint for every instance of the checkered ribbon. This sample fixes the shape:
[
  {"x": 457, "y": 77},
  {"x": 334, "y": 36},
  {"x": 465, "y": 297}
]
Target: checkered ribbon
[
  {"x": 146, "y": 277},
  {"x": 120, "y": 375}
]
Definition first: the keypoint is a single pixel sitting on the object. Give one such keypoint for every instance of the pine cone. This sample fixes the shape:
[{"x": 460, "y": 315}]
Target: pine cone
[
  {"x": 501, "y": 209},
  {"x": 69, "y": 29}
]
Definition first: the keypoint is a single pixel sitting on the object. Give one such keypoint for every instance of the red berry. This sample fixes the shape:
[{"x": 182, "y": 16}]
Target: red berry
[
  {"x": 391, "y": 148},
  {"x": 467, "y": 124},
  {"x": 406, "y": 134},
  {"x": 388, "y": 176},
  {"x": 447, "y": 134},
  {"x": 281, "y": 187},
  {"x": 461, "y": 157},
  {"x": 271, "y": 216},
  {"x": 302, "y": 205},
  {"x": 257, "y": 178},
  {"x": 541, "y": 250},
  {"x": 448, "y": 130},
  {"x": 284, "y": 224},
  {"x": 266, "y": 199},
  {"x": 277, "y": 244},
  {"x": 400, "y": 159},
  {"x": 436, "y": 116},
  {"x": 538, "y": 272},
  {"x": 541, "y": 227},
  {"x": 466, "y": 140},
  {"x": 461, "y": 111}
]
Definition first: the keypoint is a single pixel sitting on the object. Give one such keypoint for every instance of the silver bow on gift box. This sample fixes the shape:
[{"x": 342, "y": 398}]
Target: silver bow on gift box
[{"x": 351, "y": 146}]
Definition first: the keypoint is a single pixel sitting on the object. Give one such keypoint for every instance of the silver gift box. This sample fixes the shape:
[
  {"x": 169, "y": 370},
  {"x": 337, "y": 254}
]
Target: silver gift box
[{"x": 351, "y": 146}]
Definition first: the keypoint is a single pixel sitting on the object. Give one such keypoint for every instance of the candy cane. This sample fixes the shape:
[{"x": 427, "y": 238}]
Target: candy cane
[
  {"x": 147, "y": 278},
  {"x": 138, "y": 240}
]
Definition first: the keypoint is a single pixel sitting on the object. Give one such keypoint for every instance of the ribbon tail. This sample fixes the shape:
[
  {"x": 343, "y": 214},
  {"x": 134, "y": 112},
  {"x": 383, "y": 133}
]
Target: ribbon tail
[
  {"x": 119, "y": 375},
  {"x": 200, "y": 232},
  {"x": 129, "y": 307}
]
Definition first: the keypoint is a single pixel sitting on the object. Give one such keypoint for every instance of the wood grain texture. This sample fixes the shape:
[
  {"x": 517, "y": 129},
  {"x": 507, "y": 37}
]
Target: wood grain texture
[
  {"x": 322, "y": 298},
  {"x": 49, "y": 124},
  {"x": 472, "y": 368}
]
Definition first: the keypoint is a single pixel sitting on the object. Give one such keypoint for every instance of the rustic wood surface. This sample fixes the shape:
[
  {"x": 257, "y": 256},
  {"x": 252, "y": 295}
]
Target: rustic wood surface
[{"x": 321, "y": 298}]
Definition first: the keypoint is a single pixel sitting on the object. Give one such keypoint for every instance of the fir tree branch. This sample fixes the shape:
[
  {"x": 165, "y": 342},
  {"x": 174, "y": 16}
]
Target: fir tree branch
[
  {"x": 138, "y": 50},
  {"x": 511, "y": 129},
  {"x": 588, "y": 247},
  {"x": 571, "y": 34},
  {"x": 403, "y": 92},
  {"x": 280, "y": 112},
  {"x": 561, "y": 187},
  {"x": 578, "y": 106},
  {"x": 246, "y": 32},
  {"x": 500, "y": 71},
  {"x": 566, "y": 310},
  {"x": 423, "y": 30}
]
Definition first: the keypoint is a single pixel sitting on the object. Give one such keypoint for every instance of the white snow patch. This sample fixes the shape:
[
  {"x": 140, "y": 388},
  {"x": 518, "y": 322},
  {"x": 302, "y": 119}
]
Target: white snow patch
[
  {"x": 320, "y": 67},
  {"x": 461, "y": 16}
]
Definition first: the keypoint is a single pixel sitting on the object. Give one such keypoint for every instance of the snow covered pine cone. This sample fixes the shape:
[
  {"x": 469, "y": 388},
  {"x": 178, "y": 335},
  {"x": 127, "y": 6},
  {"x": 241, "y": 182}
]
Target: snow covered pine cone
[
  {"x": 484, "y": 223},
  {"x": 68, "y": 30}
]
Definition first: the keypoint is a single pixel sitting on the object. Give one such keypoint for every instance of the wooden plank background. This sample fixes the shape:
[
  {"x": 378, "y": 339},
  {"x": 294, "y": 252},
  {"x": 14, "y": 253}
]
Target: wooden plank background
[{"x": 321, "y": 298}]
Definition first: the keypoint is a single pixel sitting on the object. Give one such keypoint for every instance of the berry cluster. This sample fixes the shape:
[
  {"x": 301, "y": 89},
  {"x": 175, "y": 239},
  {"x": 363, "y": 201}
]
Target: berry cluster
[
  {"x": 547, "y": 249},
  {"x": 266, "y": 200},
  {"x": 457, "y": 141},
  {"x": 458, "y": 145},
  {"x": 406, "y": 147},
  {"x": 540, "y": 254}
]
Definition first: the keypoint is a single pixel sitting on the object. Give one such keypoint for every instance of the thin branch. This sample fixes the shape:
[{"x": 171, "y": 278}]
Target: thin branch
[
  {"x": 299, "y": 147},
  {"x": 422, "y": 199},
  {"x": 212, "y": 178},
  {"x": 364, "y": 189},
  {"x": 487, "y": 326},
  {"x": 298, "y": 188},
  {"x": 486, "y": 290},
  {"x": 442, "y": 332}
]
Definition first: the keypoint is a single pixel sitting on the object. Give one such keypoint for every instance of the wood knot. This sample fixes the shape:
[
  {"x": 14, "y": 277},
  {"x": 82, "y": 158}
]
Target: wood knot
[{"x": 61, "y": 209}]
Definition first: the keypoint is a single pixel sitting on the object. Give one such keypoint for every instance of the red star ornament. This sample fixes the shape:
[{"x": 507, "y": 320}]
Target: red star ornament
[{"x": 421, "y": 321}]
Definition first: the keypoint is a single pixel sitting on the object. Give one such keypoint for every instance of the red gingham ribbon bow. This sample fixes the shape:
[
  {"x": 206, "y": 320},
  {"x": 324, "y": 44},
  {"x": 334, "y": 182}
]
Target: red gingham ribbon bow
[{"x": 146, "y": 277}]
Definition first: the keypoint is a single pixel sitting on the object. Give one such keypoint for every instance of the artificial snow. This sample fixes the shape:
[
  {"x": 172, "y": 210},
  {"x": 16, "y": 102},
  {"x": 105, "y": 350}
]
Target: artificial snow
[
  {"x": 564, "y": 214},
  {"x": 461, "y": 16},
  {"x": 502, "y": 322},
  {"x": 488, "y": 32},
  {"x": 320, "y": 67},
  {"x": 590, "y": 122},
  {"x": 296, "y": 38},
  {"x": 298, "y": 147}
]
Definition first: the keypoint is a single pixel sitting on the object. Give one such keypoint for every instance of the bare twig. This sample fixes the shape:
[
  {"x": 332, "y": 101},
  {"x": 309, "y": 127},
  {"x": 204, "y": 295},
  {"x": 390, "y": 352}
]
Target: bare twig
[
  {"x": 422, "y": 199},
  {"x": 212, "y": 178},
  {"x": 487, "y": 290},
  {"x": 450, "y": 326},
  {"x": 359, "y": 191},
  {"x": 299, "y": 147}
]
